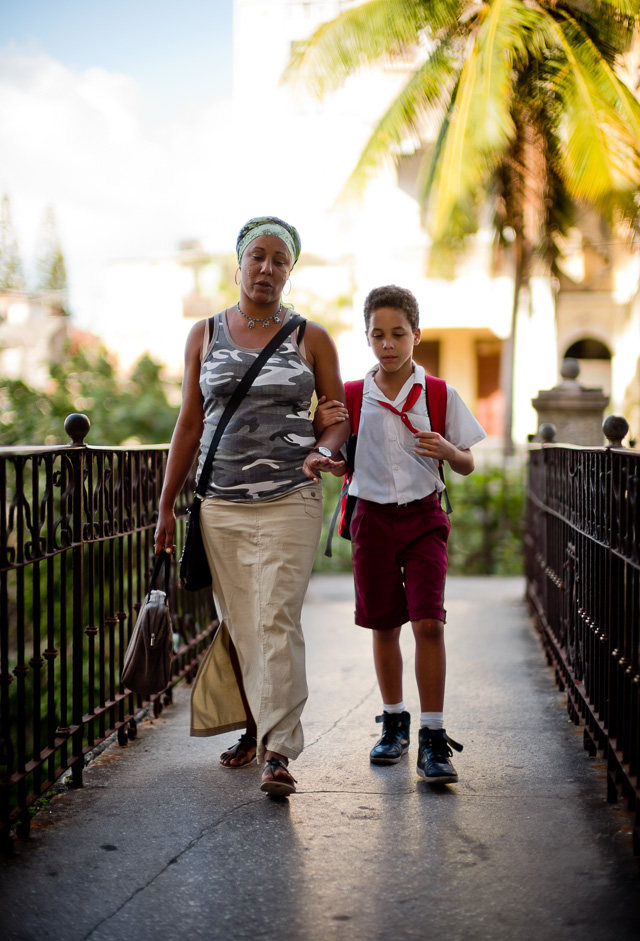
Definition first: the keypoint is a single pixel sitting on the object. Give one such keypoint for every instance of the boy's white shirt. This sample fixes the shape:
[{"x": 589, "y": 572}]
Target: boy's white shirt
[{"x": 388, "y": 470}]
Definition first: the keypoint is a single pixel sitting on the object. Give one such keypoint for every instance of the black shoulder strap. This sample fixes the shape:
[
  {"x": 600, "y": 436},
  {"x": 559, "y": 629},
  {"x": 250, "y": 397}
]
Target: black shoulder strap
[{"x": 239, "y": 393}]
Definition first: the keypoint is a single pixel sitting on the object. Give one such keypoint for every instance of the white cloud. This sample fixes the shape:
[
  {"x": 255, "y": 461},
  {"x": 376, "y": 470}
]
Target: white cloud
[{"x": 121, "y": 185}]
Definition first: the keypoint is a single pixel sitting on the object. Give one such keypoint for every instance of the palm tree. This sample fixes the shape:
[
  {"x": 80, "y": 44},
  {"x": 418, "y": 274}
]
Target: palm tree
[{"x": 533, "y": 116}]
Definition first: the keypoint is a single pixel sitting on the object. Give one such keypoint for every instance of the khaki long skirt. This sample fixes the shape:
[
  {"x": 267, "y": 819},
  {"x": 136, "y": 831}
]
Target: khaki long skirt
[{"x": 260, "y": 555}]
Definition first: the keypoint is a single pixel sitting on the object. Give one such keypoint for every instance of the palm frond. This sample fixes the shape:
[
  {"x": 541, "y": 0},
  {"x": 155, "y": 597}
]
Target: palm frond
[
  {"x": 620, "y": 8},
  {"x": 362, "y": 35},
  {"x": 615, "y": 92},
  {"x": 599, "y": 137},
  {"x": 429, "y": 171},
  {"x": 512, "y": 34},
  {"x": 462, "y": 169},
  {"x": 424, "y": 95},
  {"x": 610, "y": 31},
  {"x": 480, "y": 125}
]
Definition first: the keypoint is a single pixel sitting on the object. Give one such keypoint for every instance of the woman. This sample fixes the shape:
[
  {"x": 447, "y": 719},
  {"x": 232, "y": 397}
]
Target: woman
[{"x": 262, "y": 515}]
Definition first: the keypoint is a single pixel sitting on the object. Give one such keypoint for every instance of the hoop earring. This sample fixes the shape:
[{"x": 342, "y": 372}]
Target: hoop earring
[
  {"x": 235, "y": 277},
  {"x": 286, "y": 293}
]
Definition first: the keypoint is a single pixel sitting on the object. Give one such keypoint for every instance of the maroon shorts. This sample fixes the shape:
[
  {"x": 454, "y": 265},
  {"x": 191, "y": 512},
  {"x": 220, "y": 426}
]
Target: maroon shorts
[{"x": 399, "y": 562}]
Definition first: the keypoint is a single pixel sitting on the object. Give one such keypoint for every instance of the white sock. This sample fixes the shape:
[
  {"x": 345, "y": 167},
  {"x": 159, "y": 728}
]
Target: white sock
[
  {"x": 431, "y": 720},
  {"x": 396, "y": 707}
]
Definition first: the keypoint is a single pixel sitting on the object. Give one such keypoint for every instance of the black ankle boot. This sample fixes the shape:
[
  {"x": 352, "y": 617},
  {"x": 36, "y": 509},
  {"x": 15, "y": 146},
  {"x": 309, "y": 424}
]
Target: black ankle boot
[
  {"x": 434, "y": 752},
  {"x": 394, "y": 742}
]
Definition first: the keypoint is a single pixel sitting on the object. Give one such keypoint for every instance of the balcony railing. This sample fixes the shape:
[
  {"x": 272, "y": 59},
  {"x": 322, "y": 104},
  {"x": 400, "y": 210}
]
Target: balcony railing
[
  {"x": 582, "y": 546},
  {"x": 76, "y": 550}
]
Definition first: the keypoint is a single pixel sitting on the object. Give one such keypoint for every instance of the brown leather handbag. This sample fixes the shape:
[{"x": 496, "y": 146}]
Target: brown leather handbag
[{"x": 146, "y": 668}]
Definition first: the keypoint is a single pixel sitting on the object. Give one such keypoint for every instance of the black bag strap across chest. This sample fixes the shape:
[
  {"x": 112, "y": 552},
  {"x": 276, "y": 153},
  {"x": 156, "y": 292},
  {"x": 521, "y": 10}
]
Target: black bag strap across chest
[{"x": 241, "y": 390}]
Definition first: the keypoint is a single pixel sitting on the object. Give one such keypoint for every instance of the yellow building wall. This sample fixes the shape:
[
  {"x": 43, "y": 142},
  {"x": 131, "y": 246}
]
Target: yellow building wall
[{"x": 458, "y": 358}]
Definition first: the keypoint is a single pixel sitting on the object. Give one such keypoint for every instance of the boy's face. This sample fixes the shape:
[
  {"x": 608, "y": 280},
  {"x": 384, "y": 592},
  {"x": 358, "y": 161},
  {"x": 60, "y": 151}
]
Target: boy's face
[{"x": 392, "y": 338}]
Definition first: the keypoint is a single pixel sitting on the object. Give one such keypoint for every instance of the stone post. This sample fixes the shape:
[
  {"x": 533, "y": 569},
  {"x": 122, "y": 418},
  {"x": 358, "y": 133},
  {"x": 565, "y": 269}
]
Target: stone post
[{"x": 575, "y": 411}]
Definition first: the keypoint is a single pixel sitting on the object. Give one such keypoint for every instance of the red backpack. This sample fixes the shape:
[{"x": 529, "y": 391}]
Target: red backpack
[{"x": 436, "y": 401}]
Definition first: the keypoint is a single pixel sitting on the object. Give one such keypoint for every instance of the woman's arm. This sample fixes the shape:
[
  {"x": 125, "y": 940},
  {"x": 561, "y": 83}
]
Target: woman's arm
[
  {"x": 322, "y": 354},
  {"x": 184, "y": 442}
]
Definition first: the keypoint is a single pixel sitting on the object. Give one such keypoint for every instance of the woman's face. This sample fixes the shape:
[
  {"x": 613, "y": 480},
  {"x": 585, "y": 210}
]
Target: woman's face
[{"x": 265, "y": 267}]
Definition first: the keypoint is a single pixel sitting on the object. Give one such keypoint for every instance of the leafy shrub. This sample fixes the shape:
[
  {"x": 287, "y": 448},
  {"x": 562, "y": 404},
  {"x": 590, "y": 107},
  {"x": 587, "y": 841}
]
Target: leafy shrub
[{"x": 486, "y": 523}]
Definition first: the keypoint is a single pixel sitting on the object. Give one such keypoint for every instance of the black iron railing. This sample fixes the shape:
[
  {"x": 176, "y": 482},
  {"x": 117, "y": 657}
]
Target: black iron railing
[
  {"x": 582, "y": 547},
  {"x": 76, "y": 550}
]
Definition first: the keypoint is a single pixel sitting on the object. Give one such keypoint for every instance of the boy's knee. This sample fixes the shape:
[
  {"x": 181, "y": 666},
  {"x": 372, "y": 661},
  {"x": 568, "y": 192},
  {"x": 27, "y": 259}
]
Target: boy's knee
[{"x": 428, "y": 628}]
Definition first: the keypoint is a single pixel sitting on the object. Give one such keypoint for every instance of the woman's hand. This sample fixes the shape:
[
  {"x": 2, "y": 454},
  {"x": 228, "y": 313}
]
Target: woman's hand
[
  {"x": 316, "y": 463},
  {"x": 165, "y": 532},
  {"x": 328, "y": 413}
]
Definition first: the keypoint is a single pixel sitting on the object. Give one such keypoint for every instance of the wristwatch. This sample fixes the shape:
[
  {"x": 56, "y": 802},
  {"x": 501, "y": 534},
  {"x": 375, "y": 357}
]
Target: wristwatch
[{"x": 325, "y": 452}]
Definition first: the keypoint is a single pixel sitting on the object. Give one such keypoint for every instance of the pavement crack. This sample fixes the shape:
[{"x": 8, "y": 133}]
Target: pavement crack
[
  {"x": 174, "y": 859},
  {"x": 341, "y": 718}
]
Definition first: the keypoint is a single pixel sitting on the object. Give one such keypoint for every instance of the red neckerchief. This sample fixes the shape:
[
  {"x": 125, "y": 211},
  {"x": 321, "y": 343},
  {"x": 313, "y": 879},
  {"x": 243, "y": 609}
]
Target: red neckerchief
[{"x": 410, "y": 401}]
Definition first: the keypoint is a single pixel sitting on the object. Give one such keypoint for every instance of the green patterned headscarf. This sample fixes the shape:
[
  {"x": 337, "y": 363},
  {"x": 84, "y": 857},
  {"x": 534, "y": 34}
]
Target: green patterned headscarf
[{"x": 269, "y": 225}]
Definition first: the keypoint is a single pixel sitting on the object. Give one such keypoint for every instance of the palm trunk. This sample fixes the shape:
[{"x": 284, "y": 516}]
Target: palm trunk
[{"x": 510, "y": 346}]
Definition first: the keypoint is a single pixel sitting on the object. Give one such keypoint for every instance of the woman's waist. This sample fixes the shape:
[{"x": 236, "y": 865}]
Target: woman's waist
[
  {"x": 256, "y": 472},
  {"x": 266, "y": 498},
  {"x": 254, "y": 492}
]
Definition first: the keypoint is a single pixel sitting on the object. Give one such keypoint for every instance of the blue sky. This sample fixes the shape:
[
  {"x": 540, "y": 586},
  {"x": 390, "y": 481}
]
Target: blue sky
[
  {"x": 114, "y": 114},
  {"x": 174, "y": 51}
]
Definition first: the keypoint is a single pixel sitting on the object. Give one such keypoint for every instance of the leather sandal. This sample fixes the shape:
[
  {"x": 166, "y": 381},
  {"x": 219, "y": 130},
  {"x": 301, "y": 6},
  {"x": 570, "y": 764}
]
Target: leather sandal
[
  {"x": 245, "y": 739},
  {"x": 278, "y": 786}
]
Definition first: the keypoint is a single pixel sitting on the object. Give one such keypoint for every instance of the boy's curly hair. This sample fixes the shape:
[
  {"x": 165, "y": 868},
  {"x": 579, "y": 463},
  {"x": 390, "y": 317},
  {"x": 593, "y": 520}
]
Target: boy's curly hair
[{"x": 392, "y": 296}]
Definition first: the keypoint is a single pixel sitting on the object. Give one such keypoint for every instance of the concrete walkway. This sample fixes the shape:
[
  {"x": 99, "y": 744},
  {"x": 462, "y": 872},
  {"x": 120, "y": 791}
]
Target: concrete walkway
[{"x": 164, "y": 843}]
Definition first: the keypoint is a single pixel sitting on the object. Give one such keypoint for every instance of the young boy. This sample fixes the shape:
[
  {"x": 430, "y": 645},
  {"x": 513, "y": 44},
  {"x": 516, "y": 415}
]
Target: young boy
[{"x": 399, "y": 531}]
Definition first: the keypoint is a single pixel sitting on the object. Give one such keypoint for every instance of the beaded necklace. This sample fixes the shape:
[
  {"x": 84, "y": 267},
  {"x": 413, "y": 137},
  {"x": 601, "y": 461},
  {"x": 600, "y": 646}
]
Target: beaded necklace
[{"x": 263, "y": 320}]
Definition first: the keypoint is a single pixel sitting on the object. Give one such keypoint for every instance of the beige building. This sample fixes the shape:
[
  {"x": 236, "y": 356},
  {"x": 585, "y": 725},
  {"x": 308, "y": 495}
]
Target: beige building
[
  {"x": 293, "y": 154},
  {"x": 598, "y": 314},
  {"x": 33, "y": 332}
]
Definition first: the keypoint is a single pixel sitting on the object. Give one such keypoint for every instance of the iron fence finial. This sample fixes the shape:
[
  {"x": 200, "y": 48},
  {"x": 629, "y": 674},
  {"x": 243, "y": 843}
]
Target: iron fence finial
[
  {"x": 615, "y": 427},
  {"x": 77, "y": 427}
]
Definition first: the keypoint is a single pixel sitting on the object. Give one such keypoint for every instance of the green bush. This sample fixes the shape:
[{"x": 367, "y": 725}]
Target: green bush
[{"x": 486, "y": 524}]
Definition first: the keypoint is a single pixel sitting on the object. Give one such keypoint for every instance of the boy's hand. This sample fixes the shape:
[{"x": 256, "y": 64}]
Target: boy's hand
[
  {"x": 431, "y": 444},
  {"x": 328, "y": 413}
]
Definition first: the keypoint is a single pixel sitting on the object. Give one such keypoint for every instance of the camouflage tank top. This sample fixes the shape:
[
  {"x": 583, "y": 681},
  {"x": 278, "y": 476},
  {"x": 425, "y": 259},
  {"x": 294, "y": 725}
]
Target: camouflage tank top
[{"x": 262, "y": 450}]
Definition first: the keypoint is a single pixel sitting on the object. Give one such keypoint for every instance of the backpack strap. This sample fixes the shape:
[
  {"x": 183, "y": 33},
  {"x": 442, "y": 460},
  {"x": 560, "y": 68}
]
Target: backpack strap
[
  {"x": 436, "y": 396},
  {"x": 435, "y": 391},
  {"x": 338, "y": 512},
  {"x": 354, "y": 391}
]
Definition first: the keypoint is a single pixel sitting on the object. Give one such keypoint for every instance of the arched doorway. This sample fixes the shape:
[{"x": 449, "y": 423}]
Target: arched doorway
[{"x": 594, "y": 357}]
